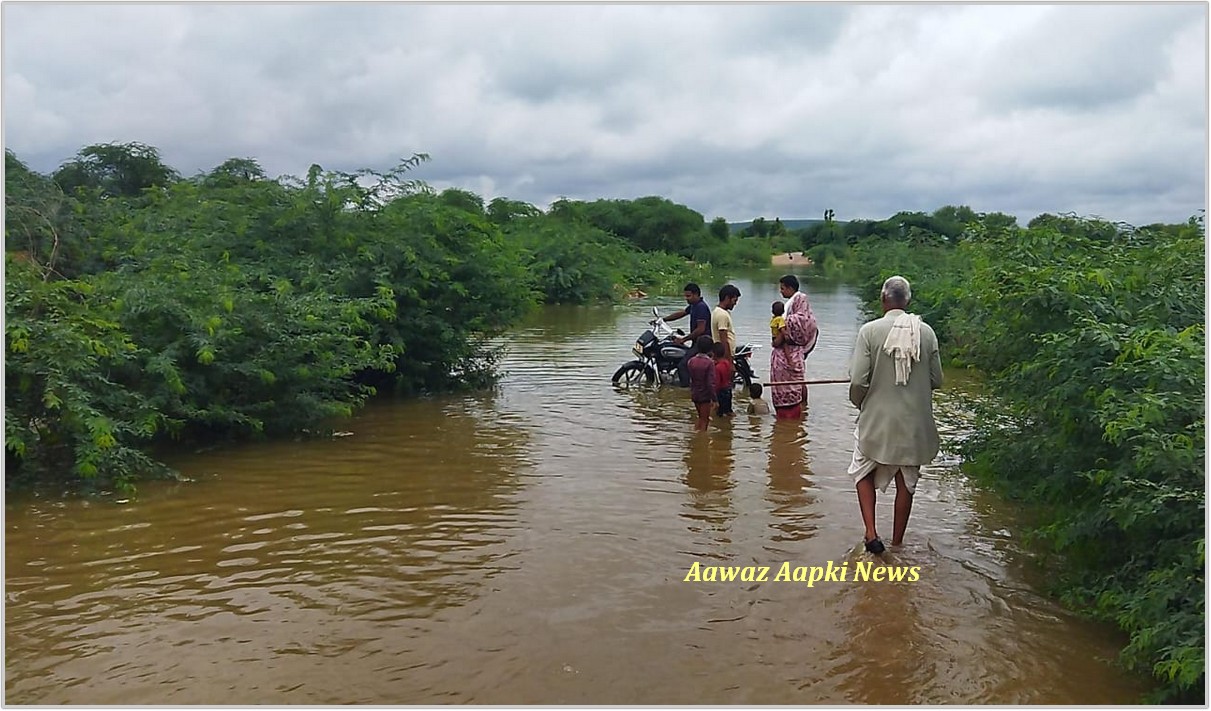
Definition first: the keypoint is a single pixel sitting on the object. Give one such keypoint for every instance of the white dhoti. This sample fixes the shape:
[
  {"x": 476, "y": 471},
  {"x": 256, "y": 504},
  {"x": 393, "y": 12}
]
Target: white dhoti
[{"x": 883, "y": 473}]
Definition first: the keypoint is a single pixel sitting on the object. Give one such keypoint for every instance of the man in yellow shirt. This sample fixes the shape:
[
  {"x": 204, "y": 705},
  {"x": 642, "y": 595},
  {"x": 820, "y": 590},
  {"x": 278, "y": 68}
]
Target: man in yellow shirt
[{"x": 721, "y": 320}]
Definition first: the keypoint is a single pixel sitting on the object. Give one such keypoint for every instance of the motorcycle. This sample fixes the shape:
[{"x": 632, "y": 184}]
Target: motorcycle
[{"x": 657, "y": 356}]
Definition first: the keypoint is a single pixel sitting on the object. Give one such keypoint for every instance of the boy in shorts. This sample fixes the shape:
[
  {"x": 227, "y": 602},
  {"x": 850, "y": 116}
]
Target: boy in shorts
[{"x": 702, "y": 382}]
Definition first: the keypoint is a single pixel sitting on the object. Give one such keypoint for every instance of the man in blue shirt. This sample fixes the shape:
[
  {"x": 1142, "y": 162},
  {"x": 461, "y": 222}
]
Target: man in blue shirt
[{"x": 700, "y": 325}]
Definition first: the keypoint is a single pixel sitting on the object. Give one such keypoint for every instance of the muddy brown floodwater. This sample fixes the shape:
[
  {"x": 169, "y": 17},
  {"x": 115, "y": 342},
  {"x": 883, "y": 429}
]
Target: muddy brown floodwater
[{"x": 528, "y": 546}]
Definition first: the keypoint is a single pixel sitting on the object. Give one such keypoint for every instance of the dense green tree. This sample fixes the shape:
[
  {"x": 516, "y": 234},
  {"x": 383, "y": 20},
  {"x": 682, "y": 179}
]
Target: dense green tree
[
  {"x": 234, "y": 171},
  {"x": 830, "y": 233},
  {"x": 39, "y": 222},
  {"x": 757, "y": 228},
  {"x": 502, "y": 210},
  {"x": 665, "y": 226},
  {"x": 649, "y": 223},
  {"x": 720, "y": 229},
  {"x": 1072, "y": 225},
  {"x": 857, "y": 230},
  {"x": 462, "y": 199},
  {"x": 565, "y": 210},
  {"x": 115, "y": 169},
  {"x": 997, "y": 222}
]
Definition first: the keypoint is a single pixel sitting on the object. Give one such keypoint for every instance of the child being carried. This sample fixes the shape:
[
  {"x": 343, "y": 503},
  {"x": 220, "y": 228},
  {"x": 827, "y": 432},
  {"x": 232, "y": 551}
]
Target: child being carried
[{"x": 777, "y": 323}]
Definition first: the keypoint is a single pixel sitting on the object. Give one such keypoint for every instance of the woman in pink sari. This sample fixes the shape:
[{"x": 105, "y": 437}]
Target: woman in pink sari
[{"x": 786, "y": 363}]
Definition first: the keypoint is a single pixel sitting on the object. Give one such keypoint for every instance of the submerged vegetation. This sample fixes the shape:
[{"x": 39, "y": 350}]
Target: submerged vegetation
[{"x": 141, "y": 305}]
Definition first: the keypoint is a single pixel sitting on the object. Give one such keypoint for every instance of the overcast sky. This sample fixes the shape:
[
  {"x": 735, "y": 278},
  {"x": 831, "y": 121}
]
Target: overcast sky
[{"x": 739, "y": 110}]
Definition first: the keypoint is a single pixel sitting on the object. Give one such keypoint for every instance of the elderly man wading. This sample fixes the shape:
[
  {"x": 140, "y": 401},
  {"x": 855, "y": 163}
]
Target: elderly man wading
[{"x": 892, "y": 375}]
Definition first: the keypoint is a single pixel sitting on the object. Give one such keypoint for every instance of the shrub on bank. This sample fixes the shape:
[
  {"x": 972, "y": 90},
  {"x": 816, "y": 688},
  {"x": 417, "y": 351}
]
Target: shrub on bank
[{"x": 1092, "y": 337}]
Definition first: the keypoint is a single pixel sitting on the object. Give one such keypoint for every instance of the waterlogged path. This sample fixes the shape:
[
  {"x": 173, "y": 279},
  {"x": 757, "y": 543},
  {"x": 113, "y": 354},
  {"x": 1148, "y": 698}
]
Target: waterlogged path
[{"x": 530, "y": 546}]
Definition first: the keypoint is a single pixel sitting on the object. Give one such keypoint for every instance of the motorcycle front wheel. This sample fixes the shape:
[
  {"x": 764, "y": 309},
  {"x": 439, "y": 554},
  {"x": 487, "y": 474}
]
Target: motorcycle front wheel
[{"x": 634, "y": 373}]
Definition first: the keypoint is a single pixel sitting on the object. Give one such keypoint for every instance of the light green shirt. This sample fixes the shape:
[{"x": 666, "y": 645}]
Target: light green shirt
[{"x": 895, "y": 422}]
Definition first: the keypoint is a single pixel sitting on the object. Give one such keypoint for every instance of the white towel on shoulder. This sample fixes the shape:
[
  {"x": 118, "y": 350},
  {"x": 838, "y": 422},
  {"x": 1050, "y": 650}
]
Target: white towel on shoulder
[{"x": 904, "y": 345}]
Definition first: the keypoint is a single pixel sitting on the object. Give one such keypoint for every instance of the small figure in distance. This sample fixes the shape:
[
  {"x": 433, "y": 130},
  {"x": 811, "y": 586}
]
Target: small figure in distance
[
  {"x": 756, "y": 405},
  {"x": 701, "y": 369},
  {"x": 724, "y": 370}
]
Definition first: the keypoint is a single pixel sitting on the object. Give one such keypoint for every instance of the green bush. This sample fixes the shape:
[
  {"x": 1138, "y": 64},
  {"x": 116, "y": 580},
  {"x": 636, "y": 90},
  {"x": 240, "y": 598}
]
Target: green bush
[
  {"x": 64, "y": 415},
  {"x": 231, "y": 305},
  {"x": 1092, "y": 336},
  {"x": 937, "y": 274},
  {"x": 736, "y": 252}
]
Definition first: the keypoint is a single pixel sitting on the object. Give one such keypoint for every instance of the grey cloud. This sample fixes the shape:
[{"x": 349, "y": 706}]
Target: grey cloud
[
  {"x": 1085, "y": 56},
  {"x": 735, "y": 110},
  {"x": 786, "y": 27}
]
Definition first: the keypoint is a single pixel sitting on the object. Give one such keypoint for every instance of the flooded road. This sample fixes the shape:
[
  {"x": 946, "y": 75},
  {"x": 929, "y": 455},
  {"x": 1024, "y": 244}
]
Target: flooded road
[{"x": 529, "y": 546}]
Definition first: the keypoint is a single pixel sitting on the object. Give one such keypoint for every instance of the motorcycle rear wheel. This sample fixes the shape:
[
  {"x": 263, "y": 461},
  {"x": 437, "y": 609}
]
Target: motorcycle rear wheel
[
  {"x": 634, "y": 373},
  {"x": 742, "y": 380}
]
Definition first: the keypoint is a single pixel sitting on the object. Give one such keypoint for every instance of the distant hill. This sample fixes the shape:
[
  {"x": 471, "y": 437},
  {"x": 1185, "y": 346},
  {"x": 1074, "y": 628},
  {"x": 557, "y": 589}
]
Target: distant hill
[{"x": 790, "y": 224}]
